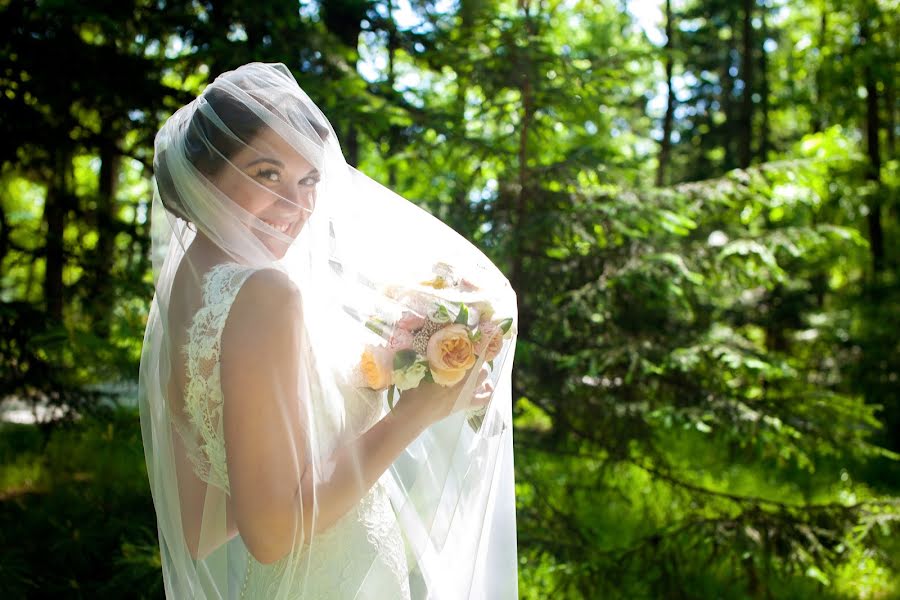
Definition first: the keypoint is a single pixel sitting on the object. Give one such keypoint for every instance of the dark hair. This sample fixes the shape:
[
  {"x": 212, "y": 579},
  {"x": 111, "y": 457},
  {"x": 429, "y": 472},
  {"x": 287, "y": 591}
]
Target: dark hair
[{"x": 208, "y": 145}]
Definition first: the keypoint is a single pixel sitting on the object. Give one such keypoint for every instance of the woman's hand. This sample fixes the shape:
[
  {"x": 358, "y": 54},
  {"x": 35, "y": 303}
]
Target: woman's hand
[{"x": 432, "y": 402}]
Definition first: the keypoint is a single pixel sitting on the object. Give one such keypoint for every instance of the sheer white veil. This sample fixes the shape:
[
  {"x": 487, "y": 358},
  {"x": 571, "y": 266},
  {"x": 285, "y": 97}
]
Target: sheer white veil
[{"x": 346, "y": 244}]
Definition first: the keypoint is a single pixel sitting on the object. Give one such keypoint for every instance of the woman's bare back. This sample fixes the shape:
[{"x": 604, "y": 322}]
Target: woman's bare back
[{"x": 186, "y": 301}]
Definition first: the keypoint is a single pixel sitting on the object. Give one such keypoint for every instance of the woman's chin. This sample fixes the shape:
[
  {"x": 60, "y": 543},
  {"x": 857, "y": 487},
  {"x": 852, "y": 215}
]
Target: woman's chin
[
  {"x": 278, "y": 248},
  {"x": 279, "y": 245}
]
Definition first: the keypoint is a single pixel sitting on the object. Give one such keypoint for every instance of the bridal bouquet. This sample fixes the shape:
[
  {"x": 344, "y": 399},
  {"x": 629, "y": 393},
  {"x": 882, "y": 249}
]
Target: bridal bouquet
[{"x": 443, "y": 328}]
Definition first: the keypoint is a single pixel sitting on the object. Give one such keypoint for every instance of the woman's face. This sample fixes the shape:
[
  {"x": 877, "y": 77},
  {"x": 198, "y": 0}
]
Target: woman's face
[{"x": 274, "y": 183}]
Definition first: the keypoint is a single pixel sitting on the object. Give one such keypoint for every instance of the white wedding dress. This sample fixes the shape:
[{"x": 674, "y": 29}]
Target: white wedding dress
[{"x": 364, "y": 550}]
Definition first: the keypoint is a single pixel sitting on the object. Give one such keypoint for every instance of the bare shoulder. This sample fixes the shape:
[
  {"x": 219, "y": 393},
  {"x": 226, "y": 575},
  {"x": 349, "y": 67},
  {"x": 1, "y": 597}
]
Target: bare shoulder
[
  {"x": 265, "y": 310},
  {"x": 267, "y": 289}
]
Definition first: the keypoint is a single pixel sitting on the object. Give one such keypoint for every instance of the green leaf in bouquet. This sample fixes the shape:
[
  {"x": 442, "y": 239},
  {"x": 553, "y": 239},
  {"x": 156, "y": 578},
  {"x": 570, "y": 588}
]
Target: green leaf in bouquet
[
  {"x": 376, "y": 325},
  {"x": 404, "y": 358},
  {"x": 390, "y": 397},
  {"x": 505, "y": 324},
  {"x": 441, "y": 315},
  {"x": 463, "y": 317}
]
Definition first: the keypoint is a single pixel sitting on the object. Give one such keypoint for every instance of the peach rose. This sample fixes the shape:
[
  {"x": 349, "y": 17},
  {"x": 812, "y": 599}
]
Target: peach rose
[
  {"x": 376, "y": 364},
  {"x": 450, "y": 354},
  {"x": 491, "y": 340}
]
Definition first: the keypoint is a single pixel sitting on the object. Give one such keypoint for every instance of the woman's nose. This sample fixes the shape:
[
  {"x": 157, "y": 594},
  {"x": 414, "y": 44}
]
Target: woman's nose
[{"x": 298, "y": 197}]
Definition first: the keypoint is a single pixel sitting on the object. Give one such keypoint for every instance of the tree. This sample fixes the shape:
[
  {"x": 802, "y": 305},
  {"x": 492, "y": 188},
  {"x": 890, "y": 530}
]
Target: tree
[{"x": 666, "y": 143}]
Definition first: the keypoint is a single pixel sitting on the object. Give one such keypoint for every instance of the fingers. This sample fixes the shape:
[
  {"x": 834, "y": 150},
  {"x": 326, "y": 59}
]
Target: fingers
[
  {"x": 483, "y": 394},
  {"x": 480, "y": 395},
  {"x": 485, "y": 387}
]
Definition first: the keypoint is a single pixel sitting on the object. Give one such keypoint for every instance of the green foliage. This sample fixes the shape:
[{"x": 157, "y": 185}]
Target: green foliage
[
  {"x": 76, "y": 517},
  {"x": 706, "y": 371},
  {"x": 725, "y": 325}
]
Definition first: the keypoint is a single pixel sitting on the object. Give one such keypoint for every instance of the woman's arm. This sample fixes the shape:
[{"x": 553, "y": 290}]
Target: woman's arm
[
  {"x": 266, "y": 437},
  {"x": 262, "y": 417},
  {"x": 358, "y": 465}
]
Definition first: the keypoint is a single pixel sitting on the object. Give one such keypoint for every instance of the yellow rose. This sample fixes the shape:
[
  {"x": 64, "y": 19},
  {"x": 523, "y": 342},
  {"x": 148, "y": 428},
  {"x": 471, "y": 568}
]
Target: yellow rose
[
  {"x": 376, "y": 364},
  {"x": 450, "y": 354}
]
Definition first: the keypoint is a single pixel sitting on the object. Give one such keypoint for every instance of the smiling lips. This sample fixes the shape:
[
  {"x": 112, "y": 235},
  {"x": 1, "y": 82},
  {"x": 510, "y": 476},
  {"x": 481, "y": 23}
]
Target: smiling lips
[{"x": 282, "y": 226}]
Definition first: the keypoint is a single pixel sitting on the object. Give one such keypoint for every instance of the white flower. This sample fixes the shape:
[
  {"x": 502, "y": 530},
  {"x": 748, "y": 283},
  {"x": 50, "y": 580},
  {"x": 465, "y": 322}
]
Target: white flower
[
  {"x": 410, "y": 377},
  {"x": 483, "y": 309}
]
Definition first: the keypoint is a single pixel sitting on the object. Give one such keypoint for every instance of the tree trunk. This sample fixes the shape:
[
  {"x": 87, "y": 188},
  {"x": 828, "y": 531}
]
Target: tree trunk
[
  {"x": 4, "y": 236},
  {"x": 344, "y": 19},
  {"x": 666, "y": 144},
  {"x": 890, "y": 113},
  {"x": 54, "y": 217},
  {"x": 745, "y": 148},
  {"x": 102, "y": 282},
  {"x": 727, "y": 100},
  {"x": 817, "y": 110},
  {"x": 764, "y": 141},
  {"x": 523, "y": 179},
  {"x": 393, "y": 130},
  {"x": 876, "y": 235}
]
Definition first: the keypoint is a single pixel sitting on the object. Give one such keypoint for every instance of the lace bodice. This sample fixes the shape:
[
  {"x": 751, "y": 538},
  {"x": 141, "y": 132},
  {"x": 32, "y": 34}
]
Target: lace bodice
[
  {"x": 366, "y": 543},
  {"x": 203, "y": 396}
]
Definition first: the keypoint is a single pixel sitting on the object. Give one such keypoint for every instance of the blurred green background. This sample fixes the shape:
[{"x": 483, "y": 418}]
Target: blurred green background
[{"x": 695, "y": 200}]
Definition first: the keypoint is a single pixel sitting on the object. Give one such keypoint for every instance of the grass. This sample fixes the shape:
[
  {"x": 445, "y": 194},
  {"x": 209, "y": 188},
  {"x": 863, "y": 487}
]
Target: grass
[
  {"x": 77, "y": 520},
  {"x": 76, "y": 517}
]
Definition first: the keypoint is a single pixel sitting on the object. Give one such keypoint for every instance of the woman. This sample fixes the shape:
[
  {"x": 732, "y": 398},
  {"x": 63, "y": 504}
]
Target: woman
[{"x": 280, "y": 465}]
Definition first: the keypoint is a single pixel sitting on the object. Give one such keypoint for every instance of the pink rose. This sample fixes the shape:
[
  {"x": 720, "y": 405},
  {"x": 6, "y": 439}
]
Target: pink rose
[
  {"x": 491, "y": 341},
  {"x": 410, "y": 321},
  {"x": 401, "y": 339}
]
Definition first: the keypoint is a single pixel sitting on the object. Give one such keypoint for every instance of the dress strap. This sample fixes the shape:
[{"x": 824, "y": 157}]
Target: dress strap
[{"x": 222, "y": 282}]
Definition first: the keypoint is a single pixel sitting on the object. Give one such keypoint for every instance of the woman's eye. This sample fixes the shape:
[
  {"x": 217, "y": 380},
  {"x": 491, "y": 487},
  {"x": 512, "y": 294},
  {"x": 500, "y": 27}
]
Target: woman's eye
[
  {"x": 309, "y": 181},
  {"x": 269, "y": 175}
]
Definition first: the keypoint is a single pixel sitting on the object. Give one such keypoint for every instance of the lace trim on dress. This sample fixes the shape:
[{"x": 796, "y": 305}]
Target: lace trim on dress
[
  {"x": 376, "y": 514},
  {"x": 203, "y": 396}
]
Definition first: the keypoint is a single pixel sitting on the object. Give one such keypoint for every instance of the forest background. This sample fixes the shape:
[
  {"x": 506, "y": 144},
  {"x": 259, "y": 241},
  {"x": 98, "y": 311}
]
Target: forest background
[{"x": 695, "y": 200}]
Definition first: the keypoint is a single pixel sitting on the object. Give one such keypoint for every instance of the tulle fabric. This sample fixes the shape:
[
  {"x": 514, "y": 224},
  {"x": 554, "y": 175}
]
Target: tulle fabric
[{"x": 447, "y": 501}]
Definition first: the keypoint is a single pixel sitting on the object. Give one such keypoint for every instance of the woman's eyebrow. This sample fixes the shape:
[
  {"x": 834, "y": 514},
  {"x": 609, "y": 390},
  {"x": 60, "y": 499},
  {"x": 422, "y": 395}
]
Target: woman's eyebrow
[
  {"x": 273, "y": 161},
  {"x": 314, "y": 171}
]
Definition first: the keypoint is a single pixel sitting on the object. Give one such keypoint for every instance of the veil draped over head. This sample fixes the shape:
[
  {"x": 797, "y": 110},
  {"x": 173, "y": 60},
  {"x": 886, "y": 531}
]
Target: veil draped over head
[{"x": 295, "y": 298}]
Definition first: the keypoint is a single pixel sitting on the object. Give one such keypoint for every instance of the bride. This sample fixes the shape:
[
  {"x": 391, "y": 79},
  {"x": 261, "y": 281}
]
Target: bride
[{"x": 278, "y": 468}]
